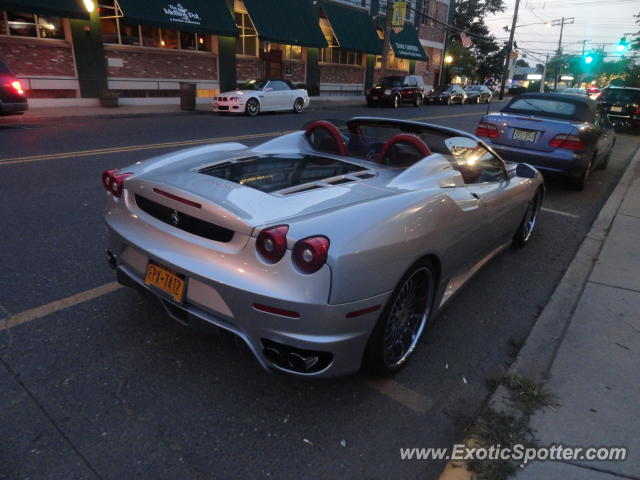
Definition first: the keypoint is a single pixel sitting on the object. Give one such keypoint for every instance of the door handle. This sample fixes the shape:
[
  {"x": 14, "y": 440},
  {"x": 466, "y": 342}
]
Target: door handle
[{"x": 475, "y": 195}]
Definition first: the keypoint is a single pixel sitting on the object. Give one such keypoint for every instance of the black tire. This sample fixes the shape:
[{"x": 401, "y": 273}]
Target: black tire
[
  {"x": 580, "y": 183},
  {"x": 370, "y": 104},
  {"x": 398, "y": 331},
  {"x": 607, "y": 159},
  {"x": 252, "y": 108},
  {"x": 525, "y": 230},
  {"x": 298, "y": 105},
  {"x": 418, "y": 101},
  {"x": 396, "y": 101}
]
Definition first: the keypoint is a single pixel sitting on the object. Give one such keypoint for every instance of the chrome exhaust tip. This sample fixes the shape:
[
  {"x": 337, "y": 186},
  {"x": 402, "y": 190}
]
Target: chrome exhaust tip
[{"x": 301, "y": 363}]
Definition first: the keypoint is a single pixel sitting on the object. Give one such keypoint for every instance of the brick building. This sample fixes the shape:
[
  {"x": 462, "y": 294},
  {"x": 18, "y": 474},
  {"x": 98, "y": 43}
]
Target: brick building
[{"x": 143, "y": 49}]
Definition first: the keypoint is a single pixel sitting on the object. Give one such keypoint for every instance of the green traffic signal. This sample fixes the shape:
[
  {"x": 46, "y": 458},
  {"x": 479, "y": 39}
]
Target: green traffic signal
[
  {"x": 622, "y": 45},
  {"x": 588, "y": 59}
]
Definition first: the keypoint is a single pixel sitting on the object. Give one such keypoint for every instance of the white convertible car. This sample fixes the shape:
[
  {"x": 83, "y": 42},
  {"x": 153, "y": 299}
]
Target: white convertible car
[{"x": 262, "y": 96}]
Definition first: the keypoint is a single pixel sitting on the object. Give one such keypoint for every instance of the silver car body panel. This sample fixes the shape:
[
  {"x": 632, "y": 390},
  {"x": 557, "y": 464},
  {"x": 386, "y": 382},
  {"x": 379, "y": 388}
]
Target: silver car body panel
[{"x": 378, "y": 228}]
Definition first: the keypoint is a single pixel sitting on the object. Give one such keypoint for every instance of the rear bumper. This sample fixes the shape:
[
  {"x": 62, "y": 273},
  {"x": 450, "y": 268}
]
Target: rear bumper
[
  {"x": 563, "y": 162},
  {"x": 321, "y": 330},
  {"x": 625, "y": 120},
  {"x": 13, "y": 108}
]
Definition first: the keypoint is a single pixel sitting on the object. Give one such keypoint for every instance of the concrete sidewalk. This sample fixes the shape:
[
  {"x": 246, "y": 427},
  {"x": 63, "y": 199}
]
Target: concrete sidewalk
[{"x": 595, "y": 373}]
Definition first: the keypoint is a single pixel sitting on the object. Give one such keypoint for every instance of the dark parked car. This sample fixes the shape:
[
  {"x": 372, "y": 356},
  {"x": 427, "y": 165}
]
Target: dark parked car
[
  {"x": 557, "y": 133},
  {"x": 478, "y": 94},
  {"x": 396, "y": 90},
  {"x": 447, "y": 94},
  {"x": 622, "y": 105},
  {"x": 13, "y": 100}
]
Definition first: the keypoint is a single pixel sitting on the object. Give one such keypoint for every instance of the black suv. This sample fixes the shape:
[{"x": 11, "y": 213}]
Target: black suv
[
  {"x": 396, "y": 90},
  {"x": 622, "y": 105},
  {"x": 13, "y": 101}
]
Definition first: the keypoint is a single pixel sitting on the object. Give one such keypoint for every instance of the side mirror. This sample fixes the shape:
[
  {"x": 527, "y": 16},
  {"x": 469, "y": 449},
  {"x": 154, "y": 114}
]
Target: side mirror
[{"x": 525, "y": 171}]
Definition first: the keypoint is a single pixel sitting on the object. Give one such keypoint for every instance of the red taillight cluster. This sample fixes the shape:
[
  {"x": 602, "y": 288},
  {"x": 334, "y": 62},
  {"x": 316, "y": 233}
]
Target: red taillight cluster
[
  {"x": 17, "y": 86},
  {"x": 309, "y": 254},
  {"x": 113, "y": 181},
  {"x": 570, "y": 142},
  {"x": 637, "y": 111},
  {"x": 272, "y": 243},
  {"x": 485, "y": 129}
]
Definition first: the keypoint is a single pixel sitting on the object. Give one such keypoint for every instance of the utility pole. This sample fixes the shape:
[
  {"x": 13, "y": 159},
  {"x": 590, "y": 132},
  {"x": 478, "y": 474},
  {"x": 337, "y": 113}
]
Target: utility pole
[
  {"x": 554, "y": 23},
  {"x": 544, "y": 74},
  {"x": 507, "y": 60},
  {"x": 386, "y": 45}
]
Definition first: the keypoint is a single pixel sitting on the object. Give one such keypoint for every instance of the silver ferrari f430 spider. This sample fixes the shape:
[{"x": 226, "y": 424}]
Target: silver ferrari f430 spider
[{"x": 325, "y": 250}]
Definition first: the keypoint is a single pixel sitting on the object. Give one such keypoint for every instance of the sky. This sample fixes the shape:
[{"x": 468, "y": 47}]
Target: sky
[{"x": 599, "y": 22}]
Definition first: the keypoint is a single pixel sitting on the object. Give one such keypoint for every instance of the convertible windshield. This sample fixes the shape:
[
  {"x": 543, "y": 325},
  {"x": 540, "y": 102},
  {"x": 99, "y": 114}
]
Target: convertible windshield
[
  {"x": 473, "y": 88},
  {"x": 442, "y": 88},
  {"x": 254, "y": 85}
]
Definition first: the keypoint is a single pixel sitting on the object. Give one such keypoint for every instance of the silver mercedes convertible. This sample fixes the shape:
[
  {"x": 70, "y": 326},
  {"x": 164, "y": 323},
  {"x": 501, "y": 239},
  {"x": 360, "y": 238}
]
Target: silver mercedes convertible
[{"x": 325, "y": 250}]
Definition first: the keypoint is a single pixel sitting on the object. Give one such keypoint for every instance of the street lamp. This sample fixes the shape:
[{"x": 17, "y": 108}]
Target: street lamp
[{"x": 448, "y": 59}]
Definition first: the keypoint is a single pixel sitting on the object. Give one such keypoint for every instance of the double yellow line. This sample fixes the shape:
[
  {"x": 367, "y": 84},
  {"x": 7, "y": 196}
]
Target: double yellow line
[
  {"x": 183, "y": 143},
  {"x": 134, "y": 148}
]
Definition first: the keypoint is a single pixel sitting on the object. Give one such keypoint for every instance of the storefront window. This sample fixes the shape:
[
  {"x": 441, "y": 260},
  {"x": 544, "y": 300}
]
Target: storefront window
[
  {"x": 333, "y": 53},
  {"x": 30, "y": 25},
  {"x": 292, "y": 52},
  {"x": 393, "y": 62},
  {"x": 116, "y": 30},
  {"x": 247, "y": 43}
]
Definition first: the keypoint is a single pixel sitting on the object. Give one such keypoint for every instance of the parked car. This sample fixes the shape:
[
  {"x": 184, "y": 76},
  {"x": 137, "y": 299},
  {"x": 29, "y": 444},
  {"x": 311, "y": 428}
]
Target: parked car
[
  {"x": 565, "y": 134},
  {"x": 574, "y": 91},
  {"x": 13, "y": 100},
  {"x": 478, "y": 94},
  {"x": 447, "y": 94},
  {"x": 395, "y": 90},
  {"x": 593, "y": 92},
  {"x": 323, "y": 250},
  {"x": 262, "y": 96},
  {"x": 622, "y": 105}
]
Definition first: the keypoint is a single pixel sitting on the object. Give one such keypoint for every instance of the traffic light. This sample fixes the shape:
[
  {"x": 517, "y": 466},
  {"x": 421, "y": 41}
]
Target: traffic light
[
  {"x": 622, "y": 45},
  {"x": 588, "y": 58}
]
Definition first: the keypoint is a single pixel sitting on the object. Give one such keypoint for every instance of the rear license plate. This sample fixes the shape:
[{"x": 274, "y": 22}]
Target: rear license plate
[
  {"x": 375, "y": 97},
  {"x": 616, "y": 109},
  {"x": 165, "y": 280},
  {"x": 524, "y": 135}
]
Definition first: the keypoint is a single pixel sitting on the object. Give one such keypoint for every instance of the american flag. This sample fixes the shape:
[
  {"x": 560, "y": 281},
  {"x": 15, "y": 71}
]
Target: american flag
[{"x": 466, "y": 40}]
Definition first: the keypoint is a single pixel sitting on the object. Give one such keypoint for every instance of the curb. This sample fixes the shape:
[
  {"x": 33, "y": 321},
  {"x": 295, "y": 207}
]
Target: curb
[{"x": 536, "y": 356}]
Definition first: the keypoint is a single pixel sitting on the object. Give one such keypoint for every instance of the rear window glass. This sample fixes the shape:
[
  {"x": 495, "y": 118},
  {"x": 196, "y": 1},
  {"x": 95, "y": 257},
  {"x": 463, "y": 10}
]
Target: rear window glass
[
  {"x": 622, "y": 96},
  {"x": 275, "y": 172},
  {"x": 552, "y": 105}
]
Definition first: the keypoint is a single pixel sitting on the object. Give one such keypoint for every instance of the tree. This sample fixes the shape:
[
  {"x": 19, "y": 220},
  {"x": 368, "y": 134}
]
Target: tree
[
  {"x": 522, "y": 63},
  {"x": 469, "y": 15}
]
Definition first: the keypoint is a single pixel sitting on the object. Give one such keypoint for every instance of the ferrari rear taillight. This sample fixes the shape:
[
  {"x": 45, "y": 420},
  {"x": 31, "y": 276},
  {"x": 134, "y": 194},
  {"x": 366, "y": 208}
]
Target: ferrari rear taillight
[
  {"x": 113, "y": 181},
  {"x": 570, "y": 142},
  {"x": 310, "y": 254},
  {"x": 17, "y": 86},
  {"x": 272, "y": 243},
  {"x": 485, "y": 129}
]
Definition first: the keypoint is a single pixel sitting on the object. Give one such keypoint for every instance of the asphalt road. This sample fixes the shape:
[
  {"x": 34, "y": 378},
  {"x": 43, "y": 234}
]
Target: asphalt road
[{"x": 110, "y": 387}]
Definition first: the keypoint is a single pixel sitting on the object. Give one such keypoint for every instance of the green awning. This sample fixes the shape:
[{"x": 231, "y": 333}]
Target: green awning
[
  {"x": 406, "y": 44},
  {"x": 353, "y": 28},
  {"x": 292, "y": 22},
  {"x": 58, "y": 8},
  {"x": 200, "y": 16}
]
